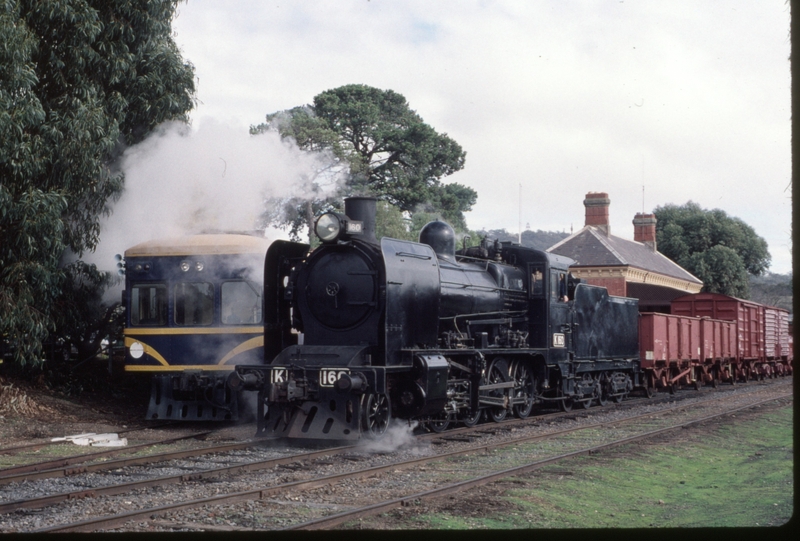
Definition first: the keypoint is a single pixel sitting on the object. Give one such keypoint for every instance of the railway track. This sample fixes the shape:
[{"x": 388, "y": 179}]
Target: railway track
[
  {"x": 273, "y": 492},
  {"x": 81, "y": 464},
  {"x": 90, "y": 462}
]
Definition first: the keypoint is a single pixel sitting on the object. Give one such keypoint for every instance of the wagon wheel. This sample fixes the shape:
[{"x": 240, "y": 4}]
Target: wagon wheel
[
  {"x": 673, "y": 387},
  {"x": 441, "y": 422},
  {"x": 714, "y": 378},
  {"x": 497, "y": 373},
  {"x": 471, "y": 419},
  {"x": 648, "y": 392},
  {"x": 377, "y": 414},
  {"x": 524, "y": 387},
  {"x": 698, "y": 381}
]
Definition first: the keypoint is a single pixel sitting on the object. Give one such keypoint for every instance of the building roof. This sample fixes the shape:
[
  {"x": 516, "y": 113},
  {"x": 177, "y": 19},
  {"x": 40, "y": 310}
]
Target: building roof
[{"x": 590, "y": 247}]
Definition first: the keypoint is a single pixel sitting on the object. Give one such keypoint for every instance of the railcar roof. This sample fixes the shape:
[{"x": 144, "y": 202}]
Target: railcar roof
[{"x": 207, "y": 244}]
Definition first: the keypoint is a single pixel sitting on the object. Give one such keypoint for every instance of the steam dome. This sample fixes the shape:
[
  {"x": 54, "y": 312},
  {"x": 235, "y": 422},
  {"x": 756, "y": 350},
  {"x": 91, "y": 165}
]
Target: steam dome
[{"x": 441, "y": 237}]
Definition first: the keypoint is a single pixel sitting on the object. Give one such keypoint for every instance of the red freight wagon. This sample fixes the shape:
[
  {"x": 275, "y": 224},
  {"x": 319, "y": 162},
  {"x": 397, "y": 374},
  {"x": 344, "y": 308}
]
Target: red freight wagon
[
  {"x": 683, "y": 350},
  {"x": 669, "y": 350},
  {"x": 776, "y": 341},
  {"x": 755, "y": 349}
]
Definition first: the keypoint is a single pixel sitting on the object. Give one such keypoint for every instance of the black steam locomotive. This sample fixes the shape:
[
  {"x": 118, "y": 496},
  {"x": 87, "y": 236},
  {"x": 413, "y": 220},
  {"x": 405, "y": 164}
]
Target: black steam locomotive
[{"x": 358, "y": 332}]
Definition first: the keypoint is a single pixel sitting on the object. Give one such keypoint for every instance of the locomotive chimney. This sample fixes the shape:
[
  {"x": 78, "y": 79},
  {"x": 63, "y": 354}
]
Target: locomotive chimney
[
  {"x": 644, "y": 229},
  {"x": 596, "y": 204},
  {"x": 363, "y": 209}
]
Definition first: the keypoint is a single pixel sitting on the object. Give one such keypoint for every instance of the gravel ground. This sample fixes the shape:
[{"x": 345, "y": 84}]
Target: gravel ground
[{"x": 292, "y": 507}]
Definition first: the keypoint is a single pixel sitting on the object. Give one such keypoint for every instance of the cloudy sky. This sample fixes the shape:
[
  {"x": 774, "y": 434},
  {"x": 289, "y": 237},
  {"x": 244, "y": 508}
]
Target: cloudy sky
[{"x": 688, "y": 99}]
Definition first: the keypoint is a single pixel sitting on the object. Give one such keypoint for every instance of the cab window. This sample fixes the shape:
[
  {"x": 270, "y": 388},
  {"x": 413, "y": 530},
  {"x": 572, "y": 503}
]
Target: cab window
[
  {"x": 149, "y": 304},
  {"x": 537, "y": 282},
  {"x": 241, "y": 302},
  {"x": 558, "y": 286},
  {"x": 194, "y": 303}
]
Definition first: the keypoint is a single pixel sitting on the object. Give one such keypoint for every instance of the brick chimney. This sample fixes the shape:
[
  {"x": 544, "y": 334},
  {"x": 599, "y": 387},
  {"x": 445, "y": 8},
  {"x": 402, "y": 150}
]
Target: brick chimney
[
  {"x": 596, "y": 204},
  {"x": 644, "y": 229}
]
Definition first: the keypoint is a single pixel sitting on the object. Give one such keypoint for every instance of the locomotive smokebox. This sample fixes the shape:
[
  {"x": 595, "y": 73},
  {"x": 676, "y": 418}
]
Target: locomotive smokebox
[{"x": 363, "y": 209}]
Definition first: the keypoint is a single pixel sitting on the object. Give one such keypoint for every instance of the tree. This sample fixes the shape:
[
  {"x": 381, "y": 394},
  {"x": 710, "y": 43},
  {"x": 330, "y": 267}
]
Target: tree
[
  {"x": 79, "y": 80},
  {"x": 374, "y": 144},
  {"x": 719, "y": 249}
]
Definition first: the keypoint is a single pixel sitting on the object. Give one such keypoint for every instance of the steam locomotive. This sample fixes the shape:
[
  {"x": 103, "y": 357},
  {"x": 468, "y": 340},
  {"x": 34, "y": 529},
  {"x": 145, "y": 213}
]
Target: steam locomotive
[{"x": 360, "y": 331}]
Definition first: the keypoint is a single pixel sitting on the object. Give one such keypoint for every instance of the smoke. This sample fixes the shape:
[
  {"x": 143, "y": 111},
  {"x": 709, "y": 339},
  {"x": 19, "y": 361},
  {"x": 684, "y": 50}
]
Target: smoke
[
  {"x": 399, "y": 434},
  {"x": 181, "y": 181}
]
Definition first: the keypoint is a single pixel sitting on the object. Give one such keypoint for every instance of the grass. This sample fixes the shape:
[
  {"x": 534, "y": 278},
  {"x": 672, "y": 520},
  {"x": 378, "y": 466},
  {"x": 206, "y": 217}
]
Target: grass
[{"x": 739, "y": 474}]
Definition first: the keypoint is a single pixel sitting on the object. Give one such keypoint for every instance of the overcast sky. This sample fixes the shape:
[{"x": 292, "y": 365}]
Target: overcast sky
[{"x": 690, "y": 99}]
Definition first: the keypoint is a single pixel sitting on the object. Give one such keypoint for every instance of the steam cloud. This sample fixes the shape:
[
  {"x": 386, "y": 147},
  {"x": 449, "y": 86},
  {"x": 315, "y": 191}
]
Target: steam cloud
[{"x": 181, "y": 181}]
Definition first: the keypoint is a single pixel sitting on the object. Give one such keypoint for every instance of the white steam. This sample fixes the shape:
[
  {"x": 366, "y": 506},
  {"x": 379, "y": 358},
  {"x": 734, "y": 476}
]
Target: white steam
[
  {"x": 181, "y": 181},
  {"x": 399, "y": 434}
]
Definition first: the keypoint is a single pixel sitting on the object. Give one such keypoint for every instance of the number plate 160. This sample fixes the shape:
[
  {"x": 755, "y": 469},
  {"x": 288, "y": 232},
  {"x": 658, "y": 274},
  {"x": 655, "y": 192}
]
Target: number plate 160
[{"x": 328, "y": 376}]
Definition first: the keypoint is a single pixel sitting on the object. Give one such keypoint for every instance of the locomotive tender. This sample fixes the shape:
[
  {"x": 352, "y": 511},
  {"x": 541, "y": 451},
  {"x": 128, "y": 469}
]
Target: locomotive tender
[{"x": 360, "y": 331}]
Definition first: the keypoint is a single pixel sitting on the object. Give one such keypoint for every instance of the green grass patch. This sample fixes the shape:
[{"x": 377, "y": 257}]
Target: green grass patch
[{"x": 737, "y": 474}]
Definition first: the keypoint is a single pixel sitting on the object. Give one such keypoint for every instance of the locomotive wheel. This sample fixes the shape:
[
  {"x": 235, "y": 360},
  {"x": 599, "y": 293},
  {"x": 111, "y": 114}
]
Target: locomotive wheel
[
  {"x": 586, "y": 403},
  {"x": 471, "y": 420},
  {"x": 498, "y": 373},
  {"x": 602, "y": 395},
  {"x": 566, "y": 404},
  {"x": 524, "y": 387},
  {"x": 441, "y": 422},
  {"x": 377, "y": 415}
]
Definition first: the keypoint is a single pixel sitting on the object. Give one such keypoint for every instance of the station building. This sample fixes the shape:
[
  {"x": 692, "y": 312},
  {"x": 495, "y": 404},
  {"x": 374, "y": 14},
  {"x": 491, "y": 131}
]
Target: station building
[{"x": 627, "y": 268}]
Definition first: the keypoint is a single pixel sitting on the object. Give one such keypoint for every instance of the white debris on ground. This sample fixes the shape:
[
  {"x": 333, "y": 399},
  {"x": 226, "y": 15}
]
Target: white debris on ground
[{"x": 95, "y": 440}]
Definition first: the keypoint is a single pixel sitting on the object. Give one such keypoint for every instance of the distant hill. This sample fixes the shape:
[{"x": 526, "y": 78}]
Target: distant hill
[
  {"x": 772, "y": 289},
  {"x": 540, "y": 240}
]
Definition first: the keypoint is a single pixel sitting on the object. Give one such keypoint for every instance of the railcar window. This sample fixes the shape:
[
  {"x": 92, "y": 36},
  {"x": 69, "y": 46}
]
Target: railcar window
[
  {"x": 241, "y": 302},
  {"x": 149, "y": 304},
  {"x": 194, "y": 303}
]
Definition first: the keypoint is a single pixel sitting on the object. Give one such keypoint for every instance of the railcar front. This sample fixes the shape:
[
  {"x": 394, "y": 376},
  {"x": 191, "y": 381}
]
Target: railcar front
[{"x": 193, "y": 311}]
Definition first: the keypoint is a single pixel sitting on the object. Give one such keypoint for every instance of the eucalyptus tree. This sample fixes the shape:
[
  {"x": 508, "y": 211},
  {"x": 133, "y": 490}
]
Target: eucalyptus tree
[{"x": 79, "y": 81}]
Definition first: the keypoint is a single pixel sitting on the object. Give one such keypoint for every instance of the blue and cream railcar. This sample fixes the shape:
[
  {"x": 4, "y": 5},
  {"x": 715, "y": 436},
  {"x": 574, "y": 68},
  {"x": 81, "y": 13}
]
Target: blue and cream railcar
[{"x": 193, "y": 311}]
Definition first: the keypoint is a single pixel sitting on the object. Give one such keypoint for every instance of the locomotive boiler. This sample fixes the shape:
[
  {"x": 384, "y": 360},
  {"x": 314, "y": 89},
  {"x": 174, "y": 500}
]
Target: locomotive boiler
[{"x": 358, "y": 332}]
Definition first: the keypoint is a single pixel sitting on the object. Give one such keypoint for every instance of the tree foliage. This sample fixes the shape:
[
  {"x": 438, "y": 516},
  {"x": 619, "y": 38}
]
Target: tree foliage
[
  {"x": 373, "y": 144},
  {"x": 719, "y": 249},
  {"x": 773, "y": 290},
  {"x": 79, "y": 80}
]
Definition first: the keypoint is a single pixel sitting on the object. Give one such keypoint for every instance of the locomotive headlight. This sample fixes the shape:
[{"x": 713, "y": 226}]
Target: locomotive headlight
[
  {"x": 199, "y": 266},
  {"x": 185, "y": 266},
  {"x": 328, "y": 227},
  {"x": 136, "y": 350}
]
